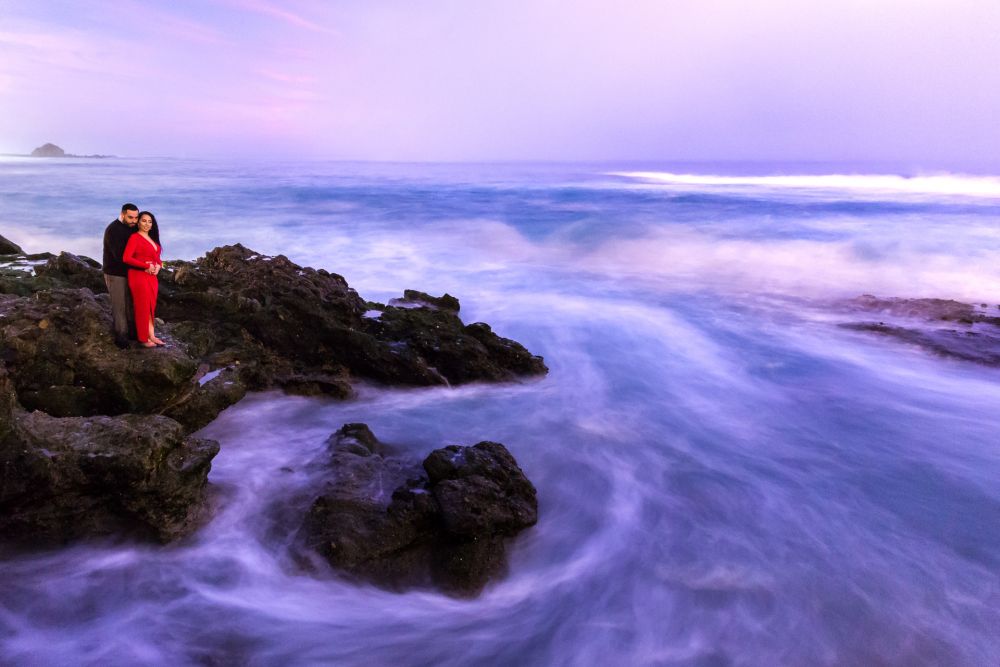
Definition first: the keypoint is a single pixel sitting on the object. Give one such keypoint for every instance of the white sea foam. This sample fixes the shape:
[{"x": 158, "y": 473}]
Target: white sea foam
[
  {"x": 684, "y": 259},
  {"x": 931, "y": 184}
]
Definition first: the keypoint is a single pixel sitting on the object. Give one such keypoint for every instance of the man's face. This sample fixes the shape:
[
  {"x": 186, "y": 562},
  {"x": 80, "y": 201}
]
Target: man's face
[{"x": 130, "y": 218}]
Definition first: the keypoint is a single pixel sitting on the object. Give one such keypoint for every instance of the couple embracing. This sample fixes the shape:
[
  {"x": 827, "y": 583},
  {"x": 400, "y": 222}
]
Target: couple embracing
[{"x": 131, "y": 264}]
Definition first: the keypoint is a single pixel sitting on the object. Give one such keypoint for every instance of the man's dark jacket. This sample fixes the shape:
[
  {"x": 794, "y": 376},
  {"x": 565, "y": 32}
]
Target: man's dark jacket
[{"x": 115, "y": 239}]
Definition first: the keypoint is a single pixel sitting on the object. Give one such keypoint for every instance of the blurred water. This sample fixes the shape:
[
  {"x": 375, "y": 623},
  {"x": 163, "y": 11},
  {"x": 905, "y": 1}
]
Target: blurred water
[{"x": 725, "y": 477}]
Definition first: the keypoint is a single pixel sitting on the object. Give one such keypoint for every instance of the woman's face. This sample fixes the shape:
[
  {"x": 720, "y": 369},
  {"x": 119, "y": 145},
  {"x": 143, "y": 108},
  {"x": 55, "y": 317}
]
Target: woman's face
[{"x": 145, "y": 223}]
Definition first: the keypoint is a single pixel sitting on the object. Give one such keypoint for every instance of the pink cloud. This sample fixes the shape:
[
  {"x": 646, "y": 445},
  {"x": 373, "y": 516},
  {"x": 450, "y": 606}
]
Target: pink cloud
[
  {"x": 290, "y": 17},
  {"x": 284, "y": 77}
]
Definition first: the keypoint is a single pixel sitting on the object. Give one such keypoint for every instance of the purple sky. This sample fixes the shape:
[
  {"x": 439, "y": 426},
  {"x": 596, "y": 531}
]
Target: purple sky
[{"x": 901, "y": 80}]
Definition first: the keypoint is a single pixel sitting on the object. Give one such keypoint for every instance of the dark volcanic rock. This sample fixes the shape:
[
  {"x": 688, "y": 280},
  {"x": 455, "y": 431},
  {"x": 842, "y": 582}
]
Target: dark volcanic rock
[
  {"x": 66, "y": 478},
  {"x": 313, "y": 327},
  {"x": 414, "y": 299},
  {"x": 107, "y": 448},
  {"x": 58, "y": 349},
  {"x": 205, "y": 399},
  {"x": 73, "y": 271},
  {"x": 943, "y": 327},
  {"x": 70, "y": 470},
  {"x": 282, "y": 324},
  {"x": 481, "y": 490},
  {"x": 9, "y": 247},
  {"x": 401, "y": 525},
  {"x": 26, "y": 274},
  {"x": 506, "y": 353},
  {"x": 307, "y": 320},
  {"x": 458, "y": 352}
]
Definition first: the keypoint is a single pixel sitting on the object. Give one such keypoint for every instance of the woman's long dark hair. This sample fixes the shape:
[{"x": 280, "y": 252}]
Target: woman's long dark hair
[{"x": 154, "y": 231}]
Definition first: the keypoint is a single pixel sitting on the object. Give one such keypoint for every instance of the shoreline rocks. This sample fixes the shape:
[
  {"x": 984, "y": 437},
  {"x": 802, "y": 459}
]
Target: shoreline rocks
[
  {"x": 943, "y": 327},
  {"x": 70, "y": 477},
  {"x": 442, "y": 523},
  {"x": 266, "y": 321},
  {"x": 96, "y": 441},
  {"x": 308, "y": 331}
]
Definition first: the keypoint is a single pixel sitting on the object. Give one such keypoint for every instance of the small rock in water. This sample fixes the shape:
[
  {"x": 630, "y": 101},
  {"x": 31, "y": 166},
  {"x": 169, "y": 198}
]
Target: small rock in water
[
  {"x": 401, "y": 525},
  {"x": 930, "y": 324}
]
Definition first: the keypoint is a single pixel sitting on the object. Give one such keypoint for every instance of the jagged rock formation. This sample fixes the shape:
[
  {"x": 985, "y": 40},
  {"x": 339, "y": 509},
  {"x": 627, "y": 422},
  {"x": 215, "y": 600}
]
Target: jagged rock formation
[
  {"x": 65, "y": 478},
  {"x": 96, "y": 440},
  {"x": 402, "y": 524},
  {"x": 307, "y": 331}
]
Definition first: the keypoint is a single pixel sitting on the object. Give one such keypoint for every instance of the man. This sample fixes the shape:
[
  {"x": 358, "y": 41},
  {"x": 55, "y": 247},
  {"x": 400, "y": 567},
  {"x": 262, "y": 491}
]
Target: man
[{"x": 116, "y": 272}]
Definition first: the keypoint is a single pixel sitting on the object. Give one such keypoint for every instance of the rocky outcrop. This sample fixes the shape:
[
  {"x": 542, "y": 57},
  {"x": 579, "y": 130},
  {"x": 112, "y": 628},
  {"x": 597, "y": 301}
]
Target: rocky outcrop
[
  {"x": 72, "y": 270},
  {"x": 24, "y": 275},
  {"x": 400, "y": 524},
  {"x": 213, "y": 392},
  {"x": 65, "y": 478},
  {"x": 459, "y": 353},
  {"x": 943, "y": 327},
  {"x": 9, "y": 247},
  {"x": 945, "y": 310},
  {"x": 82, "y": 448},
  {"x": 95, "y": 440},
  {"x": 61, "y": 358},
  {"x": 308, "y": 331},
  {"x": 48, "y": 150},
  {"x": 288, "y": 325},
  {"x": 269, "y": 321}
]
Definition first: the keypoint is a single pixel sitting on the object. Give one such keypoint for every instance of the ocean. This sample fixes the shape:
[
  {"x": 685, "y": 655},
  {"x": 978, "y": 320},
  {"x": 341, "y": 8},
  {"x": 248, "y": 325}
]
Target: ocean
[{"x": 725, "y": 475}]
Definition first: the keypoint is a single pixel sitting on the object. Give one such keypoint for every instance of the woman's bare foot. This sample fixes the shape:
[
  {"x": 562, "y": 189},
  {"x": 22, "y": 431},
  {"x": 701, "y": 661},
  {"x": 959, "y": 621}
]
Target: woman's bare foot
[
  {"x": 148, "y": 343},
  {"x": 157, "y": 340}
]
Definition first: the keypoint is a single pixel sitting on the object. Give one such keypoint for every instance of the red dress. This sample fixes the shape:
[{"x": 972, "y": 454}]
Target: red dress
[{"x": 140, "y": 254}]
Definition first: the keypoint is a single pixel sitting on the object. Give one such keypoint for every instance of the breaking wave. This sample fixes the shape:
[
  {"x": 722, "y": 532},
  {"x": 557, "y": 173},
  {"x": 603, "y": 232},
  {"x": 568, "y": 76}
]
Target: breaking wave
[{"x": 936, "y": 184}]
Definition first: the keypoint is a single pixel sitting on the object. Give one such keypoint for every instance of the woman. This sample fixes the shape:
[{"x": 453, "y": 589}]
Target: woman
[{"x": 142, "y": 254}]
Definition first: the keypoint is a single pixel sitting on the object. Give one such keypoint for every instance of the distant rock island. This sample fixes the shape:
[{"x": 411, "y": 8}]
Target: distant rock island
[
  {"x": 51, "y": 150},
  {"x": 48, "y": 150}
]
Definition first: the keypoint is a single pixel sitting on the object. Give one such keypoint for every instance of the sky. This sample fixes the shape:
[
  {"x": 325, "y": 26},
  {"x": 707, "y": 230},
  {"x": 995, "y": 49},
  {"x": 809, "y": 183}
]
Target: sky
[{"x": 914, "y": 81}]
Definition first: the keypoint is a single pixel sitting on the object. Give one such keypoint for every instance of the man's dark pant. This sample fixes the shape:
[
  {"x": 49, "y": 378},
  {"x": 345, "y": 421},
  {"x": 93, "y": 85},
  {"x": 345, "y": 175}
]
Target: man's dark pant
[{"x": 121, "y": 306}]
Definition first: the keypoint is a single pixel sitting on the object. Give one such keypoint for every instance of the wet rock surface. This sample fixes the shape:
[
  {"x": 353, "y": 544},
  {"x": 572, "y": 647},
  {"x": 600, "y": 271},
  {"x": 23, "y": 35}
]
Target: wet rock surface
[
  {"x": 443, "y": 523},
  {"x": 57, "y": 347},
  {"x": 307, "y": 330},
  {"x": 460, "y": 353},
  {"x": 946, "y": 328},
  {"x": 270, "y": 322},
  {"x": 95, "y": 440},
  {"x": 65, "y": 478},
  {"x": 8, "y": 247}
]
